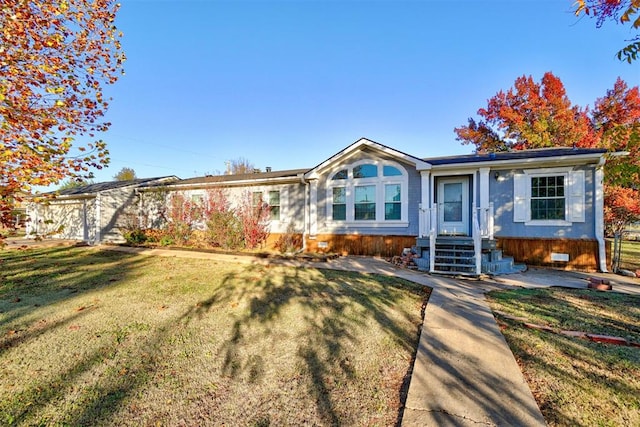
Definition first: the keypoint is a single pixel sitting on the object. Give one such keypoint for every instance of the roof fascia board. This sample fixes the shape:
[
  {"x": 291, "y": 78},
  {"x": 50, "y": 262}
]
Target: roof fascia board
[
  {"x": 53, "y": 198},
  {"x": 236, "y": 183},
  {"x": 354, "y": 148},
  {"x": 578, "y": 159}
]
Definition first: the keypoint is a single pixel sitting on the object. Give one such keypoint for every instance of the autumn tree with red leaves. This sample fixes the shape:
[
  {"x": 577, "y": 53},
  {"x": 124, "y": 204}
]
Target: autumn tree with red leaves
[
  {"x": 539, "y": 115},
  {"x": 616, "y": 117},
  {"x": 618, "y": 11},
  {"x": 529, "y": 115},
  {"x": 621, "y": 208},
  {"x": 56, "y": 57}
]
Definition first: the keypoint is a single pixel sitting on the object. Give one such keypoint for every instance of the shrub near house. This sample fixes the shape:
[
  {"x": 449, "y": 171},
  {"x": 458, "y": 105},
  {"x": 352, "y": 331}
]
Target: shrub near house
[{"x": 208, "y": 222}]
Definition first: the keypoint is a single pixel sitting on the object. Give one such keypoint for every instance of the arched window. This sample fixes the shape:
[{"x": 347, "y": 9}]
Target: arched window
[
  {"x": 341, "y": 174},
  {"x": 365, "y": 171},
  {"x": 368, "y": 193}
]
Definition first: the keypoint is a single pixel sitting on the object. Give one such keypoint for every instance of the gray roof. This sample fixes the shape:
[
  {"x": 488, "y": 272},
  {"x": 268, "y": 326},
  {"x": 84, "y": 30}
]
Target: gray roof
[
  {"x": 109, "y": 185},
  {"x": 513, "y": 155},
  {"x": 294, "y": 173},
  {"x": 211, "y": 179}
]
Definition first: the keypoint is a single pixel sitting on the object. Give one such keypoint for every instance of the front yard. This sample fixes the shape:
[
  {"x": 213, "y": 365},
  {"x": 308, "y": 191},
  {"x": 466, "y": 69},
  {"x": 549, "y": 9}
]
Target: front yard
[
  {"x": 576, "y": 381},
  {"x": 106, "y": 338},
  {"x": 630, "y": 257}
]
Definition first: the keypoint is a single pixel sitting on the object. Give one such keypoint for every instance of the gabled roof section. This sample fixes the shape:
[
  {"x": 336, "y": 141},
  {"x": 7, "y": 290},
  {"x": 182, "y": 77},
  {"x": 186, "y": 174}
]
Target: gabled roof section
[
  {"x": 524, "y": 156},
  {"x": 360, "y": 145},
  {"x": 93, "y": 189},
  {"x": 272, "y": 177}
]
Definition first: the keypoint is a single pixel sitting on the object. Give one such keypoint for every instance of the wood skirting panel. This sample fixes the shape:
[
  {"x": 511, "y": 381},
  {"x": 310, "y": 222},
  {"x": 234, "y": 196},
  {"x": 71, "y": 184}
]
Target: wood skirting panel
[
  {"x": 583, "y": 253},
  {"x": 350, "y": 244},
  {"x": 273, "y": 240}
]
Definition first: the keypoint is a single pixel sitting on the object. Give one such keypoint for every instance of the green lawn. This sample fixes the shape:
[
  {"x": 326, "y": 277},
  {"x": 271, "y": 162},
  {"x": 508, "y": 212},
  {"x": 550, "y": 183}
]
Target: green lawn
[
  {"x": 576, "y": 381},
  {"x": 630, "y": 255},
  {"x": 105, "y": 338}
]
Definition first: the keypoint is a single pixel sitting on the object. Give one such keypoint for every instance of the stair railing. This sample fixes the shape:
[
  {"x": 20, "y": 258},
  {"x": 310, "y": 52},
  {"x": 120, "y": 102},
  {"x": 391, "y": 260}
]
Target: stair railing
[
  {"x": 486, "y": 221},
  {"x": 477, "y": 240},
  {"x": 433, "y": 232},
  {"x": 425, "y": 221}
]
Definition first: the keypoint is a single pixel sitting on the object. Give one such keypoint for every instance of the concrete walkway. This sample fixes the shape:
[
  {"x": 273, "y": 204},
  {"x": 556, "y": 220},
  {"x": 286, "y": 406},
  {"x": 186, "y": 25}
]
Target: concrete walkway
[{"x": 464, "y": 372}]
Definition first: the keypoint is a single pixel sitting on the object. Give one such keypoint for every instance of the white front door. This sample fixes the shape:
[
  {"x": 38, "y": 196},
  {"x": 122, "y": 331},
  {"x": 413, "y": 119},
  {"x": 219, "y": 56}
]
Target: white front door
[{"x": 453, "y": 206}]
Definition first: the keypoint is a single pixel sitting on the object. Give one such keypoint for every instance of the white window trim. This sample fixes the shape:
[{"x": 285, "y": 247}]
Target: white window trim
[
  {"x": 380, "y": 182},
  {"x": 284, "y": 195},
  {"x": 574, "y": 196}
]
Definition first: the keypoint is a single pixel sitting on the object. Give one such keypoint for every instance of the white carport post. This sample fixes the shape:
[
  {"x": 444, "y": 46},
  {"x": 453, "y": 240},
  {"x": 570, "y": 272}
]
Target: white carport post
[{"x": 484, "y": 197}]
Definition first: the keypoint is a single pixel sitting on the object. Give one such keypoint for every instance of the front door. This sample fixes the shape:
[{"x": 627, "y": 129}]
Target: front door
[{"x": 453, "y": 206}]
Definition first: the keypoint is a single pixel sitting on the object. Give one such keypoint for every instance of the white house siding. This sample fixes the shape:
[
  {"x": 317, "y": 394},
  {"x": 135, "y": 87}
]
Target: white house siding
[
  {"x": 115, "y": 208},
  {"x": 60, "y": 219},
  {"x": 291, "y": 203}
]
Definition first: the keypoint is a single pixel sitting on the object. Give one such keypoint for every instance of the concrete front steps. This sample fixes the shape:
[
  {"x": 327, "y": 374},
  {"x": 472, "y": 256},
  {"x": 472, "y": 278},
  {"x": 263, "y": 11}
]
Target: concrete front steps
[
  {"x": 494, "y": 263},
  {"x": 455, "y": 255}
]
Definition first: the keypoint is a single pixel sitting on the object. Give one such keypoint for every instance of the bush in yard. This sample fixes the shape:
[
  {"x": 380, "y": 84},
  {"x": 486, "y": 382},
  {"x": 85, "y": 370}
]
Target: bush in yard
[
  {"x": 166, "y": 240},
  {"x": 129, "y": 226},
  {"x": 224, "y": 230},
  {"x": 290, "y": 241},
  {"x": 134, "y": 237},
  {"x": 153, "y": 235},
  {"x": 255, "y": 220},
  {"x": 223, "y": 227},
  {"x": 183, "y": 214}
]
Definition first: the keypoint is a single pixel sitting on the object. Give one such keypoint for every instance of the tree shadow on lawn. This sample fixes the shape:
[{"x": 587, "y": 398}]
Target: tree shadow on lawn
[
  {"x": 96, "y": 404},
  {"x": 34, "y": 279},
  {"x": 577, "y": 381},
  {"x": 327, "y": 310},
  {"x": 589, "y": 393},
  {"x": 94, "y": 385}
]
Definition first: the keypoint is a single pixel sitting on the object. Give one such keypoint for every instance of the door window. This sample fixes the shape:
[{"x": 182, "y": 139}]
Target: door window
[{"x": 452, "y": 203}]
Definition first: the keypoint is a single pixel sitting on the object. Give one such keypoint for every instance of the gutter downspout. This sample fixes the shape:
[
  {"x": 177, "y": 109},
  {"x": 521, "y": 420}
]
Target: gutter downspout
[
  {"x": 305, "y": 222},
  {"x": 599, "y": 214}
]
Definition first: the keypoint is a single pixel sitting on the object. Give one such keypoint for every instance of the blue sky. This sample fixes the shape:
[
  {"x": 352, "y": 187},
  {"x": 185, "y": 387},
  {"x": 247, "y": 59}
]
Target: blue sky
[{"x": 287, "y": 84}]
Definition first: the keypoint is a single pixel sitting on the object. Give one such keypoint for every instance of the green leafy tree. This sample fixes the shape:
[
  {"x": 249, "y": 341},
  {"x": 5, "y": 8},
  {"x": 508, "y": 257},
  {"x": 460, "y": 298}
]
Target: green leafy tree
[
  {"x": 74, "y": 183},
  {"x": 125, "y": 174},
  {"x": 619, "y": 11}
]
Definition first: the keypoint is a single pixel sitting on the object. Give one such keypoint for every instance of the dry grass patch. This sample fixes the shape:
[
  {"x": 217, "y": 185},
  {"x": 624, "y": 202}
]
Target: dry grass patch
[
  {"x": 576, "y": 381},
  {"x": 107, "y": 338}
]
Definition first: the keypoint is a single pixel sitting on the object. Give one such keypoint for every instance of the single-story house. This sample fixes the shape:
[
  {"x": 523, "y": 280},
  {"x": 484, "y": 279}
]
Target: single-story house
[
  {"x": 460, "y": 213},
  {"x": 92, "y": 213}
]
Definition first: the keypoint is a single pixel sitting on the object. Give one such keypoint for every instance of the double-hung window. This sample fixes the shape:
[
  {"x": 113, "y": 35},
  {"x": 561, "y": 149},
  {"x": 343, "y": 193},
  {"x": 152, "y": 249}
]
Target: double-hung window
[
  {"x": 274, "y": 205},
  {"x": 392, "y": 202},
  {"x": 552, "y": 196},
  {"x": 547, "y": 197},
  {"x": 365, "y": 203},
  {"x": 339, "y": 206}
]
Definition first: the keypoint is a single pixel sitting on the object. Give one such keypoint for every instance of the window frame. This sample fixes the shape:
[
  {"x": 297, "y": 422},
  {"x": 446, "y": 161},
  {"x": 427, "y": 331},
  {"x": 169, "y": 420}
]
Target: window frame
[
  {"x": 264, "y": 191},
  {"x": 334, "y": 204},
  {"x": 379, "y": 182},
  {"x": 547, "y": 198},
  {"x": 574, "y": 196},
  {"x": 271, "y": 206}
]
